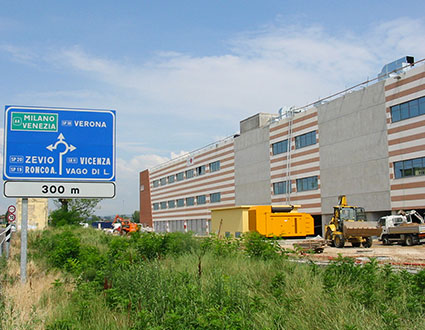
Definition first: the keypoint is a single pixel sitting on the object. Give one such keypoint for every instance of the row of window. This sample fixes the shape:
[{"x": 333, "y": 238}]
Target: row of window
[
  {"x": 410, "y": 167},
  {"x": 200, "y": 170},
  {"x": 188, "y": 201},
  {"x": 304, "y": 184},
  {"x": 301, "y": 141},
  {"x": 412, "y": 108}
]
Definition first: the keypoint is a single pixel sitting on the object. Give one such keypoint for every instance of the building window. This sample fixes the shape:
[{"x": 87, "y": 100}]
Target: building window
[
  {"x": 163, "y": 205},
  {"x": 171, "y": 178},
  {"x": 180, "y": 202},
  {"x": 200, "y": 170},
  {"x": 410, "y": 167},
  {"x": 180, "y": 176},
  {"x": 305, "y": 140},
  {"x": 190, "y": 201},
  {"x": 280, "y": 188},
  {"x": 214, "y": 166},
  {"x": 189, "y": 174},
  {"x": 309, "y": 183},
  {"x": 163, "y": 181},
  {"x": 155, "y": 183},
  {"x": 201, "y": 199},
  {"x": 412, "y": 108},
  {"x": 171, "y": 204},
  {"x": 156, "y": 206},
  {"x": 215, "y": 197},
  {"x": 280, "y": 147}
]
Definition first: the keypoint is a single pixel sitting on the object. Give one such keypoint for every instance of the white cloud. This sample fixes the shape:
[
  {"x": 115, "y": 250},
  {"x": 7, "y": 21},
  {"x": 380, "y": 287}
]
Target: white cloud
[
  {"x": 182, "y": 153},
  {"x": 136, "y": 148},
  {"x": 262, "y": 71},
  {"x": 399, "y": 37},
  {"x": 20, "y": 54},
  {"x": 127, "y": 168}
]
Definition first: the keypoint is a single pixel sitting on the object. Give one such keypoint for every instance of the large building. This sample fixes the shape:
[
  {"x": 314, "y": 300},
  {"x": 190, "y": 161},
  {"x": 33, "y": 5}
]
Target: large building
[{"x": 367, "y": 143}]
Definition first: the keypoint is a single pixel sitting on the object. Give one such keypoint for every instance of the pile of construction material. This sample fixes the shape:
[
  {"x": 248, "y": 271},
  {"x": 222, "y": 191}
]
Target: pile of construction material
[{"x": 316, "y": 244}]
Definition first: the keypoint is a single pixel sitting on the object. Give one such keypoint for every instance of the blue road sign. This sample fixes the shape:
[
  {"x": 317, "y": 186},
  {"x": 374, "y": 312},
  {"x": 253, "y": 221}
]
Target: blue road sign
[{"x": 59, "y": 144}]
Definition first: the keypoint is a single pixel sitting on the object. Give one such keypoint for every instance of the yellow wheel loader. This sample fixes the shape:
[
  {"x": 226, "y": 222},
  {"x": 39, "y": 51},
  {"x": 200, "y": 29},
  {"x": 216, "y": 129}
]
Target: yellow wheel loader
[{"x": 349, "y": 223}]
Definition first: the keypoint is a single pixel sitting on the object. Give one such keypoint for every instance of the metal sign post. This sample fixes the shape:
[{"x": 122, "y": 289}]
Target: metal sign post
[{"x": 24, "y": 239}]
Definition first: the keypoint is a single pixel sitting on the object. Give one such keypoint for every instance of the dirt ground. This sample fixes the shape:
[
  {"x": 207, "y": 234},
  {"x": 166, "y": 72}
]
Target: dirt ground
[{"x": 394, "y": 254}]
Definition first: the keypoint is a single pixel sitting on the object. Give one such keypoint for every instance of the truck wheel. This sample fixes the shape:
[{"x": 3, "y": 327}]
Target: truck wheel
[
  {"x": 328, "y": 237},
  {"x": 368, "y": 242},
  {"x": 408, "y": 240},
  {"x": 339, "y": 241},
  {"x": 385, "y": 240},
  {"x": 355, "y": 244}
]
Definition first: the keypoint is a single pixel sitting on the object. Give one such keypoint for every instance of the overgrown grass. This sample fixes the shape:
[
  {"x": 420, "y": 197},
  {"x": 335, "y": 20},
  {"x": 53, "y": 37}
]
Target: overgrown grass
[{"x": 178, "y": 281}]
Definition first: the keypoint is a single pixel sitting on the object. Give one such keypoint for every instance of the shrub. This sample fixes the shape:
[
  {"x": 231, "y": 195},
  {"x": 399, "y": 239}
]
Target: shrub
[
  {"x": 61, "y": 217},
  {"x": 178, "y": 243},
  {"x": 64, "y": 247},
  {"x": 221, "y": 247},
  {"x": 151, "y": 246},
  {"x": 258, "y": 246}
]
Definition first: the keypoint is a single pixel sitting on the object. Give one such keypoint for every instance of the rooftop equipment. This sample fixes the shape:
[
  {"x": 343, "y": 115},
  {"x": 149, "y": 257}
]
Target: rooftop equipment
[{"x": 396, "y": 66}]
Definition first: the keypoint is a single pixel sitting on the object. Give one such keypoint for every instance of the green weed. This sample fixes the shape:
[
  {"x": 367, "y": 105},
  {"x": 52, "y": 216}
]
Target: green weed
[{"x": 178, "y": 281}]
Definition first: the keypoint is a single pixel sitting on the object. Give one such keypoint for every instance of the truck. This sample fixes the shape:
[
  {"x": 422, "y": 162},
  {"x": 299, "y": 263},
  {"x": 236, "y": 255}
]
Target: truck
[
  {"x": 406, "y": 228},
  {"x": 349, "y": 223}
]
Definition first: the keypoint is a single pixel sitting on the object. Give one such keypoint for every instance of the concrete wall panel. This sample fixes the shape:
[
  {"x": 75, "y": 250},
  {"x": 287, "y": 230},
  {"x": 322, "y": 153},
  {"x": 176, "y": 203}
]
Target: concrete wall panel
[
  {"x": 252, "y": 167},
  {"x": 354, "y": 150}
]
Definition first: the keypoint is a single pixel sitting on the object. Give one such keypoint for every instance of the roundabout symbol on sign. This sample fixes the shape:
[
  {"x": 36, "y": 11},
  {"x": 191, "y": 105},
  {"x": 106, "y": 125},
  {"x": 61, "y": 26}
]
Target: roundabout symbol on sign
[{"x": 68, "y": 148}]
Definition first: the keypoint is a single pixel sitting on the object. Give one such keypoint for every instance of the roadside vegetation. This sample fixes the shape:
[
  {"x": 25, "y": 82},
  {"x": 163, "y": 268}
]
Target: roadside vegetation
[{"x": 178, "y": 281}]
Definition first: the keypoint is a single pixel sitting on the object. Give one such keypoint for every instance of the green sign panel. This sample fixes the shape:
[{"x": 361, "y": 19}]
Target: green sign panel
[{"x": 38, "y": 122}]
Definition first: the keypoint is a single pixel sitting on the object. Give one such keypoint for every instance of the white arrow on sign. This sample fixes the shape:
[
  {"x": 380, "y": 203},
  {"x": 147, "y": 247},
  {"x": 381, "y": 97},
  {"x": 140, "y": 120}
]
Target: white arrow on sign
[{"x": 68, "y": 148}]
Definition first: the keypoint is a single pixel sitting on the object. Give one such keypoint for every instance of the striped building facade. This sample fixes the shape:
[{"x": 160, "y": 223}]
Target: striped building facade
[
  {"x": 368, "y": 144},
  {"x": 405, "y": 108},
  {"x": 183, "y": 190},
  {"x": 297, "y": 163}
]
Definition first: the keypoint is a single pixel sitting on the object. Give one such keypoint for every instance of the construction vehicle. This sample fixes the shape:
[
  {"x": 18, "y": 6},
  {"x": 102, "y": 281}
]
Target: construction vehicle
[
  {"x": 124, "y": 226},
  {"x": 349, "y": 223},
  {"x": 406, "y": 228},
  {"x": 280, "y": 221}
]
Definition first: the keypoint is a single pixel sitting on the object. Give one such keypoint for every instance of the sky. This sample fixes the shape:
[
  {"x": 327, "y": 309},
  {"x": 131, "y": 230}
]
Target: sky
[{"x": 182, "y": 74}]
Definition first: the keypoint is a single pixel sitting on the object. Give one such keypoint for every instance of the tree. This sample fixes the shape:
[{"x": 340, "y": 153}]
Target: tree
[
  {"x": 136, "y": 216},
  {"x": 73, "y": 211}
]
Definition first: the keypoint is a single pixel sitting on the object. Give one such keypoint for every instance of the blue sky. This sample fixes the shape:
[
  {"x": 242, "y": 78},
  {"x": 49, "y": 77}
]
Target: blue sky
[{"x": 182, "y": 74}]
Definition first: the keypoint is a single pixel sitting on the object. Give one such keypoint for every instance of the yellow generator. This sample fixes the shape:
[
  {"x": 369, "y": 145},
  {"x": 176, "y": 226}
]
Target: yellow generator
[{"x": 280, "y": 221}]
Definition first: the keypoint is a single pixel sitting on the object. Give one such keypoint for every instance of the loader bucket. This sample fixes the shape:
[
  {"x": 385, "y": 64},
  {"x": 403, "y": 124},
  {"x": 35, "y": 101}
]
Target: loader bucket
[{"x": 361, "y": 228}]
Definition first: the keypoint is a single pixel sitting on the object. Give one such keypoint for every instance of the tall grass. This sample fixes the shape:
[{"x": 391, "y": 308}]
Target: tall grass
[{"x": 177, "y": 281}]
